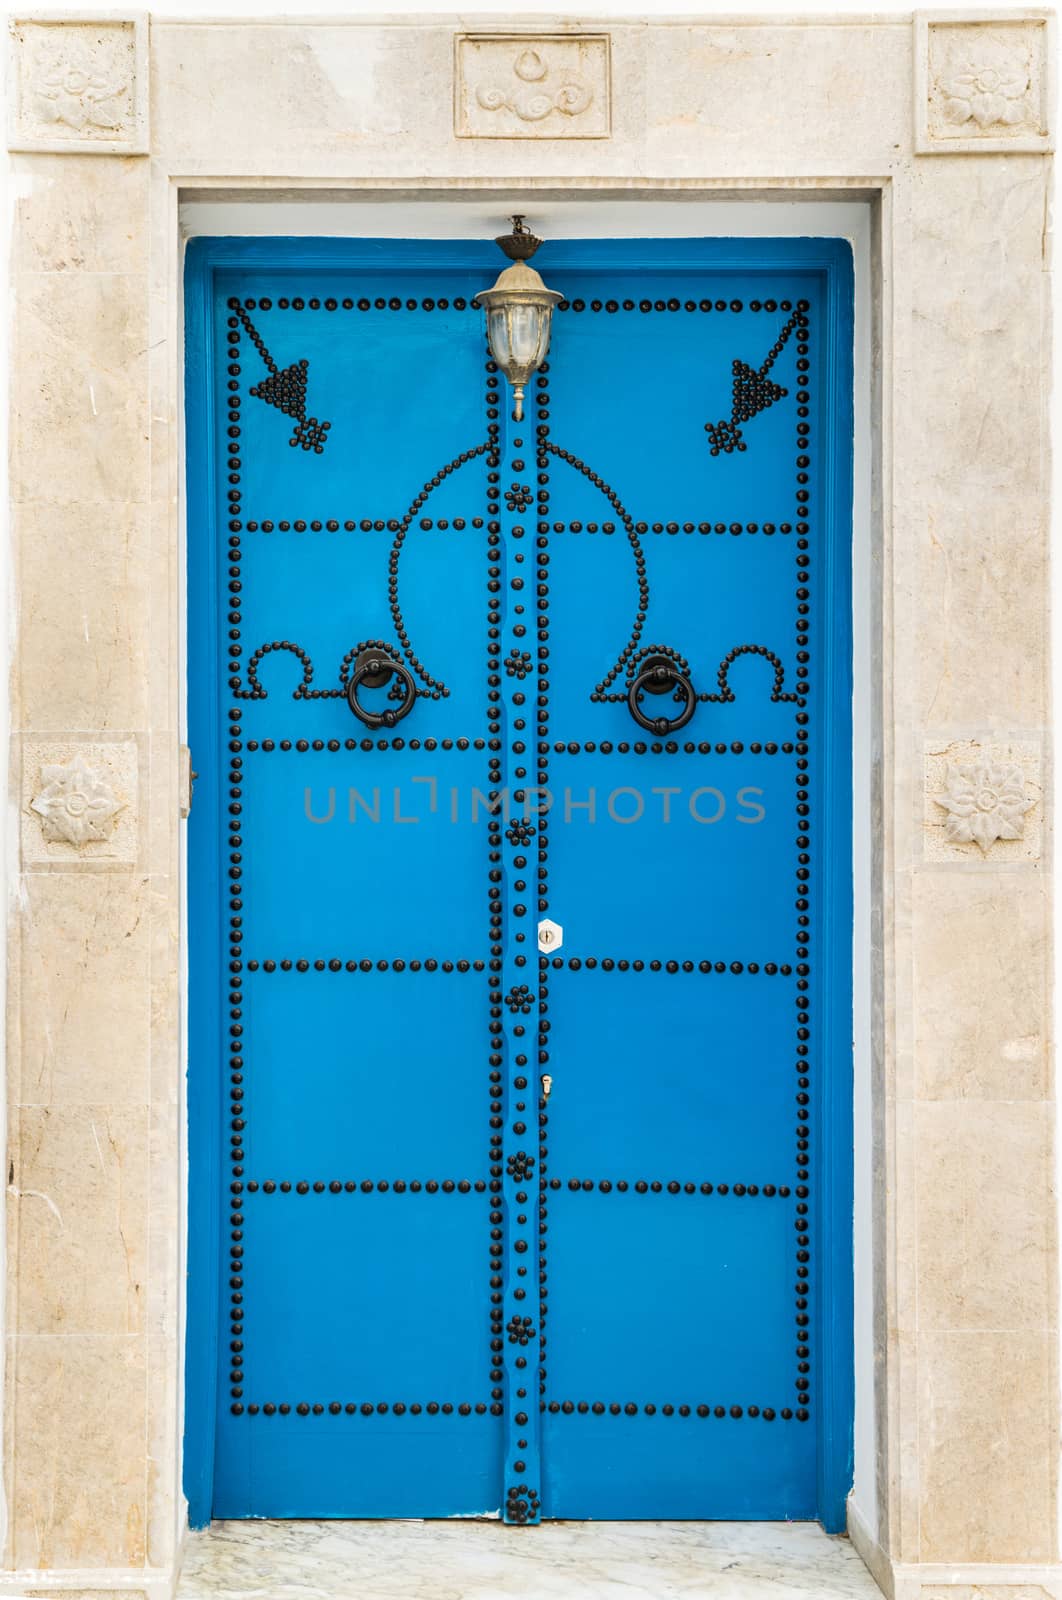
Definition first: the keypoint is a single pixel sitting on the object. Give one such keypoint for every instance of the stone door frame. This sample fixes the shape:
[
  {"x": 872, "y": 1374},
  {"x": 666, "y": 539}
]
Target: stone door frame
[{"x": 246, "y": 216}]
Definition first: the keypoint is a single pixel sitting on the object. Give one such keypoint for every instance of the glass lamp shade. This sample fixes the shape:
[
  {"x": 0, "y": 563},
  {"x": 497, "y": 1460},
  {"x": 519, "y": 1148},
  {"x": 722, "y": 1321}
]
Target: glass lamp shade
[{"x": 519, "y": 308}]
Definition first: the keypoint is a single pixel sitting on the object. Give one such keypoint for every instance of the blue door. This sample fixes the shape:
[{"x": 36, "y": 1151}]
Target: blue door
[{"x": 520, "y": 875}]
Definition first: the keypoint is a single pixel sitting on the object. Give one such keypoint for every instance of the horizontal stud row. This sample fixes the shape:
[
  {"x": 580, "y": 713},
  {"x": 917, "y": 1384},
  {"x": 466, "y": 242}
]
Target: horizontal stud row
[
  {"x": 609, "y": 964},
  {"x": 573, "y": 964},
  {"x": 444, "y": 524},
  {"x": 301, "y": 746},
  {"x": 366, "y": 1408},
  {"x": 736, "y": 747},
  {"x": 735, "y": 529},
  {"x": 466, "y": 303},
  {"x": 599, "y": 1408},
  {"x": 369, "y": 1186},
  {"x": 365, "y": 965},
  {"x": 465, "y": 1408},
  {"x": 377, "y": 303},
  {"x": 642, "y": 1186}
]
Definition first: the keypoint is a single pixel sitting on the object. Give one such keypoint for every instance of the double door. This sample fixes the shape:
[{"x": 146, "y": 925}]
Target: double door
[{"x": 520, "y": 874}]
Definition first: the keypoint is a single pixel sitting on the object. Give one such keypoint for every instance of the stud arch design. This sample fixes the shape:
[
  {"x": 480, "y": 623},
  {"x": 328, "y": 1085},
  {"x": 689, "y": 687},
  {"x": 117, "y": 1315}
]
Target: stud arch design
[{"x": 522, "y": 1502}]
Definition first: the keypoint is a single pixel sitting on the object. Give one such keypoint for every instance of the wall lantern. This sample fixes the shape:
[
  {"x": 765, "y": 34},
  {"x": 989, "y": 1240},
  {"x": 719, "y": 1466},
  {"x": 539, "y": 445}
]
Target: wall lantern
[{"x": 519, "y": 308}]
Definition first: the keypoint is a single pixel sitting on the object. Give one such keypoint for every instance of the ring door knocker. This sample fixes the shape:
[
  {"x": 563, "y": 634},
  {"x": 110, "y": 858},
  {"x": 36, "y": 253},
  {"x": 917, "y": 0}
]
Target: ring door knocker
[
  {"x": 373, "y": 669},
  {"x": 659, "y": 675}
]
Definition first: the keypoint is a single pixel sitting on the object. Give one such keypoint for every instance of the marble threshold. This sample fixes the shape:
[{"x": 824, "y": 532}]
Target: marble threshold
[{"x": 461, "y": 1560}]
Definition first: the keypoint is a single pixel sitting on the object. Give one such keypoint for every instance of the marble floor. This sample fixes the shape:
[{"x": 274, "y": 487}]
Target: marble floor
[{"x": 486, "y": 1561}]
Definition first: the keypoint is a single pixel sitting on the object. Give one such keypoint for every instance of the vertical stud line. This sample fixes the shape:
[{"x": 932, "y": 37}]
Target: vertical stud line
[{"x": 510, "y": 514}]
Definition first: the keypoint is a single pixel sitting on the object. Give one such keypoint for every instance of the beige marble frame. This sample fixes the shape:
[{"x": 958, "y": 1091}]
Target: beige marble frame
[{"x": 962, "y": 1498}]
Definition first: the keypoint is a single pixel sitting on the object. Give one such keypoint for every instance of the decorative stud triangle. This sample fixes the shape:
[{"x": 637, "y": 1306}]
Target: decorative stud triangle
[
  {"x": 286, "y": 390},
  {"x": 752, "y": 392}
]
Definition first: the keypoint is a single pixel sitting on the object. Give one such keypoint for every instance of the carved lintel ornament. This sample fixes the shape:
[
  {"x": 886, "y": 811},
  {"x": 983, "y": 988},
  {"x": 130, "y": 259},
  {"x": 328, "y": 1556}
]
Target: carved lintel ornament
[
  {"x": 78, "y": 83},
  {"x": 532, "y": 86},
  {"x": 984, "y": 82}
]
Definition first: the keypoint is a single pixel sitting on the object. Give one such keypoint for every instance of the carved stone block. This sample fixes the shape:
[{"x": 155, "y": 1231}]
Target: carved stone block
[
  {"x": 79, "y": 802},
  {"x": 78, "y": 84},
  {"x": 984, "y": 82},
  {"x": 983, "y": 801},
  {"x": 528, "y": 86}
]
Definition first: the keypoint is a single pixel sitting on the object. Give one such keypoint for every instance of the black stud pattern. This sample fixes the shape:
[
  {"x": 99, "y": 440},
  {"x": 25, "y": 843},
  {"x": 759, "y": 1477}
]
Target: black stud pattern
[
  {"x": 365, "y": 964},
  {"x": 518, "y": 497},
  {"x": 658, "y": 671},
  {"x": 313, "y": 746},
  {"x": 520, "y": 569},
  {"x": 630, "y": 1408},
  {"x": 305, "y": 1186},
  {"x": 231, "y": 467},
  {"x": 267, "y": 525},
  {"x": 369, "y": 1408},
  {"x": 671, "y": 747},
  {"x": 753, "y": 392},
  {"x": 435, "y": 686},
  {"x": 254, "y": 689},
  {"x": 521, "y": 1504},
  {"x": 497, "y": 1039},
  {"x": 634, "y": 541},
  {"x": 631, "y": 656},
  {"x": 672, "y": 305},
  {"x": 542, "y": 778},
  {"x": 674, "y": 1186},
  {"x": 723, "y": 674},
  {"x": 672, "y": 966},
  {"x": 802, "y": 1220},
  {"x": 635, "y": 663},
  {"x": 524, "y": 1221},
  {"x": 285, "y": 388},
  {"x": 363, "y": 304},
  {"x": 240, "y": 1188},
  {"x": 733, "y": 529},
  {"x": 304, "y": 689}
]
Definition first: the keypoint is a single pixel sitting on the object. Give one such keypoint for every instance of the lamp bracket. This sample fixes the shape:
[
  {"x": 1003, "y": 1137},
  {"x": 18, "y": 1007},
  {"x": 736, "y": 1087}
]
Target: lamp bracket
[{"x": 521, "y": 244}]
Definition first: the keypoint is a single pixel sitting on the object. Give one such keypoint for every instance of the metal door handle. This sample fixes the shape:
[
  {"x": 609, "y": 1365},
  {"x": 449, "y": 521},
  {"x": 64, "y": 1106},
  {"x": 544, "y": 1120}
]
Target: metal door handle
[
  {"x": 374, "y": 668},
  {"x": 657, "y": 675}
]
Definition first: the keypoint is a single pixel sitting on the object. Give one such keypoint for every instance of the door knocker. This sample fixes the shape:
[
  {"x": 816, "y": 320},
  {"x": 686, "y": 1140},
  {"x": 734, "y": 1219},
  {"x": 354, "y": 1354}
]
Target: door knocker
[
  {"x": 373, "y": 669},
  {"x": 660, "y": 675}
]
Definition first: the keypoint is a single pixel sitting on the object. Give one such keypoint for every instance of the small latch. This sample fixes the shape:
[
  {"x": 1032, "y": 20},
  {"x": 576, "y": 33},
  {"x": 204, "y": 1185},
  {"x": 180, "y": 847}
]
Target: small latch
[
  {"x": 547, "y": 1085},
  {"x": 550, "y": 936}
]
